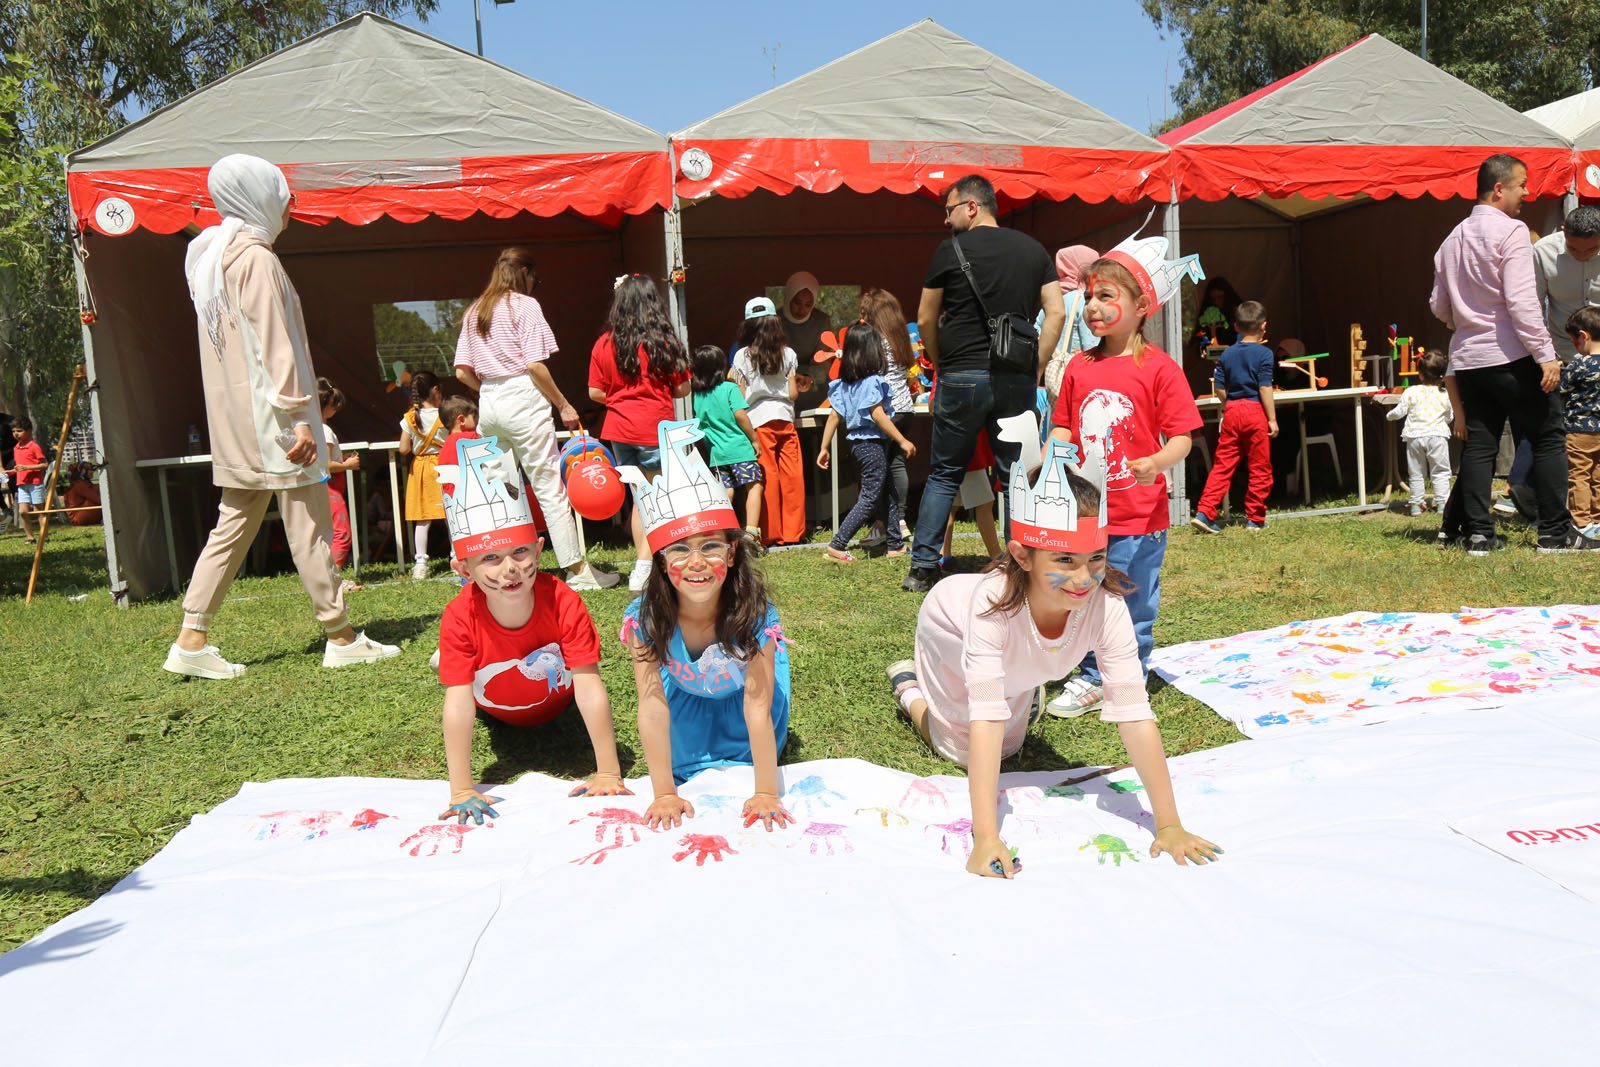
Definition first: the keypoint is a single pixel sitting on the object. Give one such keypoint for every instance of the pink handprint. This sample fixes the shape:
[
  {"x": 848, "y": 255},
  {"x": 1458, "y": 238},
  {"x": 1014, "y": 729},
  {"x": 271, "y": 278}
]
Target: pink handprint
[
  {"x": 961, "y": 830},
  {"x": 703, "y": 845},
  {"x": 367, "y": 818},
  {"x": 305, "y": 824},
  {"x": 923, "y": 792},
  {"x": 619, "y": 821},
  {"x": 823, "y": 834},
  {"x": 430, "y": 840}
]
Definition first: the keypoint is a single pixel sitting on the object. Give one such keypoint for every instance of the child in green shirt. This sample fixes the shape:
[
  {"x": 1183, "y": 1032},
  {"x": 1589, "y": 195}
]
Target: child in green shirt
[{"x": 720, "y": 407}]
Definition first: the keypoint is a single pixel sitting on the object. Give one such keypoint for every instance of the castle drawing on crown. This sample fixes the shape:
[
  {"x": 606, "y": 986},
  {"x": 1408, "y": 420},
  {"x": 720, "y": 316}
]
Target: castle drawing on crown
[
  {"x": 686, "y": 485},
  {"x": 485, "y": 494}
]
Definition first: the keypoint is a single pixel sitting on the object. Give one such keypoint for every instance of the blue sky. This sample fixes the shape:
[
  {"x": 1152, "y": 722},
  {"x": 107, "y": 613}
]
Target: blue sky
[{"x": 670, "y": 65}]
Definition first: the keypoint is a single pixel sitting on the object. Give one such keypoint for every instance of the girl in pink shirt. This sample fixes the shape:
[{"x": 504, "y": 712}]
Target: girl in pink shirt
[{"x": 986, "y": 642}]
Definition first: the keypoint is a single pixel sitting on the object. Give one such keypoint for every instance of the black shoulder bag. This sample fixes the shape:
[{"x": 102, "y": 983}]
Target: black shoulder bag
[{"x": 1013, "y": 342}]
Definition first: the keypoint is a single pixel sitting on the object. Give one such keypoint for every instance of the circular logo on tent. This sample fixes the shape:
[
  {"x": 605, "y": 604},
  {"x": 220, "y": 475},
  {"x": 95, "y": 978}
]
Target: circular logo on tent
[
  {"x": 696, "y": 164},
  {"x": 1593, "y": 174},
  {"x": 114, "y": 215}
]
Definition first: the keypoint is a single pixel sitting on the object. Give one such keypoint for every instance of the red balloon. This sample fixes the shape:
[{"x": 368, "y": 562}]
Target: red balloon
[{"x": 594, "y": 489}]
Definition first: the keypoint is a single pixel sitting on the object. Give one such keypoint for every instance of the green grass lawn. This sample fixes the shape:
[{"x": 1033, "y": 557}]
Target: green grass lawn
[{"x": 104, "y": 756}]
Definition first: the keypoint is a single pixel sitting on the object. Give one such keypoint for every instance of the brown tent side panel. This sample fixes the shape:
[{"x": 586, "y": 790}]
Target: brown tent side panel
[{"x": 147, "y": 353}]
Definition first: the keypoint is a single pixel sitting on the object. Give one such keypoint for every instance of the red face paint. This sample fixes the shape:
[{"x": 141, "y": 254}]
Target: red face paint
[{"x": 1104, "y": 310}]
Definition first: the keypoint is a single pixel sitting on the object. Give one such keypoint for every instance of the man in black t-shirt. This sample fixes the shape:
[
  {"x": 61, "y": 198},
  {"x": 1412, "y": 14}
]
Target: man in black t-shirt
[{"x": 1015, "y": 274}]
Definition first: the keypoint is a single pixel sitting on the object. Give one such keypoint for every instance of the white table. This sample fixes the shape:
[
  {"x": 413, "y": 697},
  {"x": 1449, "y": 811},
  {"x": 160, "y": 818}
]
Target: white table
[
  {"x": 163, "y": 465},
  {"x": 1300, "y": 398}
]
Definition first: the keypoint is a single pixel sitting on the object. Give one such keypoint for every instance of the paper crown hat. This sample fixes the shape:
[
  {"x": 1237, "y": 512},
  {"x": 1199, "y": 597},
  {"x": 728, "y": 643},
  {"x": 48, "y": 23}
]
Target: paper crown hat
[
  {"x": 687, "y": 498},
  {"x": 484, "y": 499},
  {"x": 1044, "y": 511},
  {"x": 1158, "y": 276}
]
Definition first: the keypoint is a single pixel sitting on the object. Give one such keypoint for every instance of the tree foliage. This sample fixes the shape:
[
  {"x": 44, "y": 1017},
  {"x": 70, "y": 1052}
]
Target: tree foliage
[
  {"x": 72, "y": 72},
  {"x": 1522, "y": 52}
]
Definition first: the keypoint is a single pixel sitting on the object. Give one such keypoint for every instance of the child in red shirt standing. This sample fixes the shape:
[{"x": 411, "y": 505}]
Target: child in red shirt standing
[
  {"x": 636, "y": 369},
  {"x": 1119, "y": 398},
  {"x": 28, "y": 466},
  {"x": 516, "y": 643}
]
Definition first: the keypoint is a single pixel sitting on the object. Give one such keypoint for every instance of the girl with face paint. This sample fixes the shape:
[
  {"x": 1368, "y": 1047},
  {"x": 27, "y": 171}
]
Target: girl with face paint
[
  {"x": 986, "y": 644},
  {"x": 708, "y": 652},
  {"x": 1121, "y": 398}
]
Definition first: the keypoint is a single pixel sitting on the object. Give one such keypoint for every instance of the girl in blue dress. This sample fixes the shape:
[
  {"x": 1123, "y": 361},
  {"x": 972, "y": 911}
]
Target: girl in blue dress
[{"x": 708, "y": 652}]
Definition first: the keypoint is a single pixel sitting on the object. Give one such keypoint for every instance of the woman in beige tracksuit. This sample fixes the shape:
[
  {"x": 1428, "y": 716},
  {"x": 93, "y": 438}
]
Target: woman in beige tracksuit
[{"x": 266, "y": 433}]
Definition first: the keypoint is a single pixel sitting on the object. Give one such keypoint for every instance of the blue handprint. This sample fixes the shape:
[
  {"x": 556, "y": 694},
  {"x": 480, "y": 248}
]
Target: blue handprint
[
  {"x": 809, "y": 792},
  {"x": 714, "y": 802}
]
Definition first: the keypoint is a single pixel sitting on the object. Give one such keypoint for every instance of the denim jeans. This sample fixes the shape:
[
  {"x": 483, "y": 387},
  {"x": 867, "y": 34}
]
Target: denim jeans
[
  {"x": 1139, "y": 556},
  {"x": 965, "y": 403},
  {"x": 1491, "y": 396}
]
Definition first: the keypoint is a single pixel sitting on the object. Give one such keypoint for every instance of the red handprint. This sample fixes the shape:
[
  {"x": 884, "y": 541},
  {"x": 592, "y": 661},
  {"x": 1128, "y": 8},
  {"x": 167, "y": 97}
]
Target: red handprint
[
  {"x": 703, "y": 845},
  {"x": 618, "y": 821},
  {"x": 367, "y": 818},
  {"x": 923, "y": 792},
  {"x": 429, "y": 840}
]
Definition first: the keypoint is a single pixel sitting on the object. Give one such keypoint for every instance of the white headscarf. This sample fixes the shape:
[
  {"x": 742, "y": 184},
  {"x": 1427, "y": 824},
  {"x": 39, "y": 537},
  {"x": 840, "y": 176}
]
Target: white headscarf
[
  {"x": 800, "y": 279},
  {"x": 249, "y": 194}
]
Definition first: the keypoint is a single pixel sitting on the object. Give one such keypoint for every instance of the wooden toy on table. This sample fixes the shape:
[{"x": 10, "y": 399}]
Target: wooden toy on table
[
  {"x": 1402, "y": 360},
  {"x": 1358, "y": 357},
  {"x": 1307, "y": 365}
]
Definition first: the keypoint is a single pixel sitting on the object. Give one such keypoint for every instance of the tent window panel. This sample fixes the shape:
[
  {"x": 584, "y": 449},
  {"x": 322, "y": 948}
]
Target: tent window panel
[{"x": 416, "y": 335}]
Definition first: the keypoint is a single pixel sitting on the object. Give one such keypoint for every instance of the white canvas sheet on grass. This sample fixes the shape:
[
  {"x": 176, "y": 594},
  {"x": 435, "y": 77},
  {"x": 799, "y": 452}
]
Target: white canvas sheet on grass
[
  {"x": 1560, "y": 840},
  {"x": 335, "y": 922},
  {"x": 1364, "y": 667}
]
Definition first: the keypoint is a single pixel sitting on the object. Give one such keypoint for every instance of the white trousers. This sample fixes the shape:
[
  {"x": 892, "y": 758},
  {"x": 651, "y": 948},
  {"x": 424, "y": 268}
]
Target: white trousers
[
  {"x": 514, "y": 412},
  {"x": 1425, "y": 456}
]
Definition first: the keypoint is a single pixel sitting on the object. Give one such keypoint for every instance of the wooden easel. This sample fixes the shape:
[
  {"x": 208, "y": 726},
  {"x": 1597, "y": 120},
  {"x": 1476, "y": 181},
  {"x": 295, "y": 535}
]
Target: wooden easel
[{"x": 78, "y": 376}]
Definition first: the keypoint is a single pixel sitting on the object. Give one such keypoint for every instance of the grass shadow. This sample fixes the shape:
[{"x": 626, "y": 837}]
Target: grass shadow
[{"x": 559, "y": 748}]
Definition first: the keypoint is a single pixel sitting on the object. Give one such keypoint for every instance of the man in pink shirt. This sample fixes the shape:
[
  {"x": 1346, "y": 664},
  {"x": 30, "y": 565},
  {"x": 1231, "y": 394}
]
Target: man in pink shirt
[{"x": 1503, "y": 363}]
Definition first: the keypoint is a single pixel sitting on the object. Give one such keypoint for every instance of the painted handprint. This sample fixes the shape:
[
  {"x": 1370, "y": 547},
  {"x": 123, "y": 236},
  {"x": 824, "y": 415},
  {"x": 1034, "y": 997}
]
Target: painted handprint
[
  {"x": 618, "y": 821},
  {"x": 431, "y": 840},
  {"x": 306, "y": 825},
  {"x": 885, "y": 814},
  {"x": 923, "y": 793},
  {"x": 1115, "y": 847},
  {"x": 808, "y": 793},
  {"x": 823, "y": 835},
  {"x": 713, "y": 803},
  {"x": 960, "y": 830},
  {"x": 702, "y": 845},
  {"x": 367, "y": 818}
]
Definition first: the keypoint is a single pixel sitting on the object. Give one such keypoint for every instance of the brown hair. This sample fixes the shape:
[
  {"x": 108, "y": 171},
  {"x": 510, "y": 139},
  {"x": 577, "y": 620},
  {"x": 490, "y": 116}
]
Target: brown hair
[
  {"x": 741, "y": 611},
  {"x": 423, "y": 383},
  {"x": 1123, "y": 279},
  {"x": 513, "y": 273},
  {"x": 1433, "y": 363},
  {"x": 453, "y": 408},
  {"x": 1014, "y": 596},
  {"x": 882, "y": 309},
  {"x": 1587, "y": 319},
  {"x": 638, "y": 322},
  {"x": 329, "y": 395},
  {"x": 764, "y": 339},
  {"x": 1249, "y": 317}
]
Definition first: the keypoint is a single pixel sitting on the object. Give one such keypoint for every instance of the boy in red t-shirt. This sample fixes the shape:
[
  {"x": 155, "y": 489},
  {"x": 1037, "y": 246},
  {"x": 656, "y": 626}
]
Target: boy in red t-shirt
[
  {"x": 28, "y": 466},
  {"x": 518, "y": 644}
]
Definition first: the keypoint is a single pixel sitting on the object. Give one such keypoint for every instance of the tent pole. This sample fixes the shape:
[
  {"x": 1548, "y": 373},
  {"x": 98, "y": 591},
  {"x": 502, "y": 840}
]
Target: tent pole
[
  {"x": 119, "y": 587},
  {"x": 672, "y": 225},
  {"x": 1172, "y": 341}
]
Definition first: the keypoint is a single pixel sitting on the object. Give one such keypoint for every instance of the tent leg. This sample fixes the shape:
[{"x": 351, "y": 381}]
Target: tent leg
[
  {"x": 1172, "y": 341},
  {"x": 119, "y": 587}
]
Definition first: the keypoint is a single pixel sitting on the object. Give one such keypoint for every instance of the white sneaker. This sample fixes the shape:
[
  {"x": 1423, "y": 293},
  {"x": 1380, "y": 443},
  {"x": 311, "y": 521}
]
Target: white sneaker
[
  {"x": 206, "y": 663},
  {"x": 1080, "y": 697},
  {"x": 591, "y": 579},
  {"x": 362, "y": 650},
  {"x": 905, "y": 531},
  {"x": 419, "y": 570},
  {"x": 433, "y": 660},
  {"x": 639, "y": 575}
]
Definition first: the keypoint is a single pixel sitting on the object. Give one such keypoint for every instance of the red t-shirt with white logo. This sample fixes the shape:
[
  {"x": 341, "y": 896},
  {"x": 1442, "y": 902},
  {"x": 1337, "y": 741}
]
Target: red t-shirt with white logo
[
  {"x": 1121, "y": 404},
  {"x": 522, "y": 676}
]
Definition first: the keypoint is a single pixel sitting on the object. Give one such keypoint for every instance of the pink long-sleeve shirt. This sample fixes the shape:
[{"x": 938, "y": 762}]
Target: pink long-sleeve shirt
[{"x": 1485, "y": 290}]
